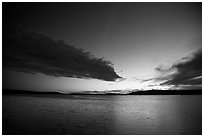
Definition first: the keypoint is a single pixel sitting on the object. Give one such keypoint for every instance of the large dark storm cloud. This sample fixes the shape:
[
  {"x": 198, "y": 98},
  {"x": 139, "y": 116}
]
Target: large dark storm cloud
[
  {"x": 188, "y": 71},
  {"x": 33, "y": 52}
]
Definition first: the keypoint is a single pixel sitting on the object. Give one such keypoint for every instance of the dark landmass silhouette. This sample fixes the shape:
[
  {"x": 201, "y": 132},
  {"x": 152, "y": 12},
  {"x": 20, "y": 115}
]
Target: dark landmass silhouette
[
  {"x": 168, "y": 92},
  {"x": 145, "y": 92},
  {"x": 11, "y": 91}
]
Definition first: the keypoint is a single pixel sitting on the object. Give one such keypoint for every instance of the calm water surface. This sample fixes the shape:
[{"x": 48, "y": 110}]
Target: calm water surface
[{"x": 102, "y": 114}]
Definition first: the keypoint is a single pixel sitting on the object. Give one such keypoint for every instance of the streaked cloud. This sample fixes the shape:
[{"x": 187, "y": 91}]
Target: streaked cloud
[
  {"x": 187, "y": 72},
  {"x": 33, "y": 52}
]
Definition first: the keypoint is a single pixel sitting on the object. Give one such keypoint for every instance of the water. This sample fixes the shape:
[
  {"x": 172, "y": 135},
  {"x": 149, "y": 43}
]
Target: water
[{"x": 102, "y": 114}]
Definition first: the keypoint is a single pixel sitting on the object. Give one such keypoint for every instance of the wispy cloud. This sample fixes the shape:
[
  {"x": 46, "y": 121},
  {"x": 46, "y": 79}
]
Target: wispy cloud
[
  {"x": 33, "y": 52},
  {"x": 185, "y": 74}
]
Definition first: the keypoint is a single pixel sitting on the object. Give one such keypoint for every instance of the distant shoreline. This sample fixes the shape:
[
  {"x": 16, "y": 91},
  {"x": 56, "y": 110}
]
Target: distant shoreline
[{"x": 147, "y": 92}]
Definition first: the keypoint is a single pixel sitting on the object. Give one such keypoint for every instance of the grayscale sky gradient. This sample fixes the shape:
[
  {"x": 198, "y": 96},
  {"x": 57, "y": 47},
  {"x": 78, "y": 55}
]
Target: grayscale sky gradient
[{"x": 146, "y": 46}]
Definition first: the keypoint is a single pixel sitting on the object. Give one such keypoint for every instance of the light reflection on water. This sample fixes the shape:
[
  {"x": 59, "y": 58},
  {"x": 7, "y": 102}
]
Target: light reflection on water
[
  {"x": 158, "y": 115},
  {"x": 102, "y": 114}
]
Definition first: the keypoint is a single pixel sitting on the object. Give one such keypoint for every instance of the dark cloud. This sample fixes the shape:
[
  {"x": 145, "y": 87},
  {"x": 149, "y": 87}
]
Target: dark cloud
[
  {"x": 187, "y": 73},
  {"x": 146, "y": 80},
  {"x": 33, "y": 52}
]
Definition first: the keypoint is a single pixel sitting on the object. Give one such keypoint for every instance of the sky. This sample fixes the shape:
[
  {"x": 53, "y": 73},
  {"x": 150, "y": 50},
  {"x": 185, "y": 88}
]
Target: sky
[{"x": 72, "y": 47}]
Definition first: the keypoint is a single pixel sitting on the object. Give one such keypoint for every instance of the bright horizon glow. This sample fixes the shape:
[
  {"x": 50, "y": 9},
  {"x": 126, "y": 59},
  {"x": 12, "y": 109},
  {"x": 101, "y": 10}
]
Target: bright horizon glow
[{"x": 50, "y": 83}]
